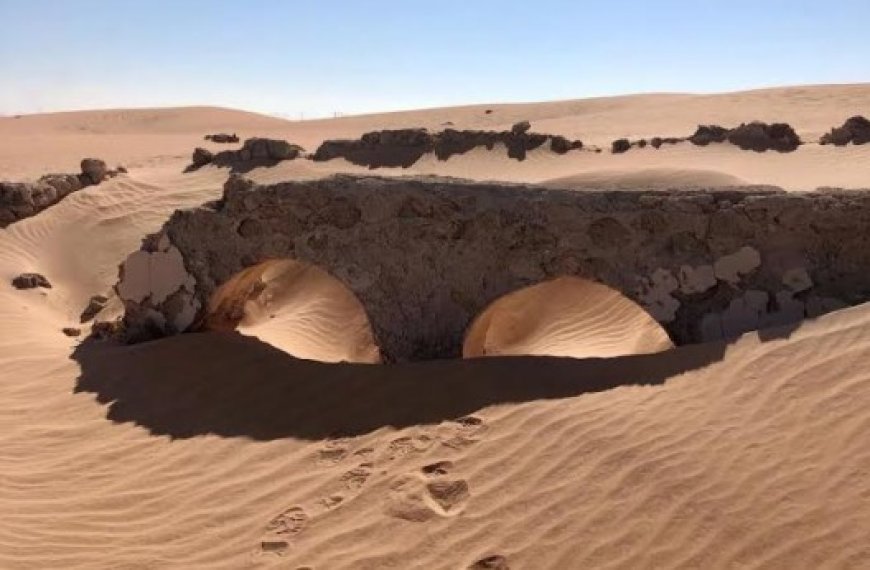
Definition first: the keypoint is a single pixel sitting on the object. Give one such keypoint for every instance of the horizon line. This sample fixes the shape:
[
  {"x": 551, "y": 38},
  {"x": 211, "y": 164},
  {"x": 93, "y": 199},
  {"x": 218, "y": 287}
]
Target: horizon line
[{"x": 287, "y": 115}]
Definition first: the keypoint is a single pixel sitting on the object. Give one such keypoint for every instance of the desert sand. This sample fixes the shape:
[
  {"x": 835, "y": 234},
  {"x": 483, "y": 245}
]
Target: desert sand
[
  {"x": 298, "y": 308},
  {"x": 567, "y": 316},
  {"x": 218, "y": 450}
]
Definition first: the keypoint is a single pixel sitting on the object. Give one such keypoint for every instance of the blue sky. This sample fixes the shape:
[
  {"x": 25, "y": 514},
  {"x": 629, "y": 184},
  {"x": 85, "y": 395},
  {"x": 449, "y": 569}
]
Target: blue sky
[{"x": 323, "y": 56}]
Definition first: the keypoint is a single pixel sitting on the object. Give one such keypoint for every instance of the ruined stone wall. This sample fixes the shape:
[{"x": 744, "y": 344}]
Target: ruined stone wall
[
  {"x": 404, "y": 147},
  {"x": 20, "y": 200},
  {"x": 426, "y": 255}
]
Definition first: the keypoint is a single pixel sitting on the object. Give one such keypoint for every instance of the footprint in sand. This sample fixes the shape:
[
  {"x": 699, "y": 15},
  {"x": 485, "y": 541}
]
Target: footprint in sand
[
  {"x": 419, "y": 497},
  {"x": 348, "y": 486},
  {"x": 461, "y": 432},
  {"x": 450, "y": 495},
  {"x": 494, "y": 562},
  {"x": 333, "y": 451},
  {"x": 437, "y": 468},
  {"x": 402, "y": 446},
  {"x": 354, "y": 479},
  {"x": 281, "y": 529},
  {"x": 331, "y": 502},
  {"x": 364, "y": 453},
  {"x": 289, "y": 523}
]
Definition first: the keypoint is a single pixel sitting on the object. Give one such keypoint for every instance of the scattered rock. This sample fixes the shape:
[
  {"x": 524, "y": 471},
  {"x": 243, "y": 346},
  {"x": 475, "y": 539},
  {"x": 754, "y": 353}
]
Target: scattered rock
[
  {"x": 281, "y": 150},
  {"x": 391, "y": 148},
  {"x": 201, "y": 157},
  {"x": 620, "y": 145},
  {"x": 757, "y": 136},
  {"x": 94, "y": 169},
  {"x": 223, "y": 138},
  {"x": 254, "y": 152},
  {"x": 62, "y": 184},
  {"x": 95, "y": 305},
  {"x": 855, "y": 130},
  {"x": 706, "y": 134},
  {"x": 72, "y": 331},
  {"x": 120, "y": 169},
  {"x": 19, "y": 200},
  {"x": 561, "y": 145},
  {"x": 30, "y": 281},
  {"x": 521, "y": 127},
  {"x": 488, "y": 111},
  {"x": 404, "y": 147},
  {"x": 760, "y": 137},
  {"x": 623, "y": 145}
]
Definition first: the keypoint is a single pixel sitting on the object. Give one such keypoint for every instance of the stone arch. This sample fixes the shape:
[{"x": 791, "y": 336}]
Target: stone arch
[
  {"x": 425, "y": 255},
  {"x": 565, "y": 316},
  {"x": 295, "y": 306}
]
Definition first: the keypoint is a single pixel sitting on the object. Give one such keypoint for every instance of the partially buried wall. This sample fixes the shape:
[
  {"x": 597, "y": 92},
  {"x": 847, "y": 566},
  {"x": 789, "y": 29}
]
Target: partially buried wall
[{"x": 426, "y": 255}]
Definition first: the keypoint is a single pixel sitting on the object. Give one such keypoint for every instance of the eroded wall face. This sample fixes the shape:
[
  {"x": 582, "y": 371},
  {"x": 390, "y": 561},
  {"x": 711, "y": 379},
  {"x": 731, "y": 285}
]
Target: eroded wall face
[{"x": 425, "y": 256}]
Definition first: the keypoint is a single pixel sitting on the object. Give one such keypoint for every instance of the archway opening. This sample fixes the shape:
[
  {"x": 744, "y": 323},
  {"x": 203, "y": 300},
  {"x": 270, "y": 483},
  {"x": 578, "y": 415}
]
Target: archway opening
[
  {"x": 567, "y": 316},
  {"x": 298, "y": 308}
]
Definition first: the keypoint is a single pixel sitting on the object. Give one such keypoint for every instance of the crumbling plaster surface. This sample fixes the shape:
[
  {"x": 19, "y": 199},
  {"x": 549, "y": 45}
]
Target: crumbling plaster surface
[
  {"x": 426, "y": 255},
  {"x": 155, "y": 278}
]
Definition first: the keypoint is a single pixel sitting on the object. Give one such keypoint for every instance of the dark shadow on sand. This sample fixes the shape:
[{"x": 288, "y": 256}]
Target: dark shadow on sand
[
  {"x": 235, "y": 166},
  {"x": 232, "y": 385},
  {"x": 781, "y": 332}
]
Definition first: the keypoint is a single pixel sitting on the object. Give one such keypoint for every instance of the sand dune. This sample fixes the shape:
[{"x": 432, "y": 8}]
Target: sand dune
[
  {"x": 144, "y": 121},
  {"x": 219, "y": 450},
  {"x": 146, "y": 139},
  {"x": 567, "y": 316},
  {"x": 734, "y": 462},
  {"x": 136, "y": 138}
]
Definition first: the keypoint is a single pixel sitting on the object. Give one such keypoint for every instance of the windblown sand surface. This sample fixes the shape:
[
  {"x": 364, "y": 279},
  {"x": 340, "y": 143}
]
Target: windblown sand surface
[
  {"x": 217, "y": 450},
  {"x": 298, "y": 308},
  {"x": 567, "y": 316}
]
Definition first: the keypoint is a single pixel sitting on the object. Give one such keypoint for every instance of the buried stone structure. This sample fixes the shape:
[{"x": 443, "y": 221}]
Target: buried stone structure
[
  {"x": 425, "y": 256},
  {"x": 20, "y": 200}
]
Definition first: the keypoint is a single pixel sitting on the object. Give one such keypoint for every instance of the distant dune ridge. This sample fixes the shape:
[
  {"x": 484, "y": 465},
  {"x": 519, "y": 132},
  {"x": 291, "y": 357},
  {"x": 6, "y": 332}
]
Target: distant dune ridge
[
  {"x": 144, "y": 138},
  {"x": 218, "y": 450}
]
